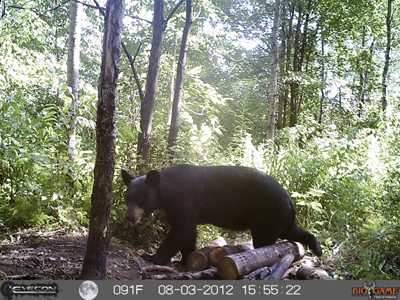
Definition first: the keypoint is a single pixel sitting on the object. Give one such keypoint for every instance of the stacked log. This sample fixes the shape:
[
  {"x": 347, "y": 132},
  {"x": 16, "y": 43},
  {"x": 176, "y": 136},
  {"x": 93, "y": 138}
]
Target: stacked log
[{"x": 220, "y": 261}]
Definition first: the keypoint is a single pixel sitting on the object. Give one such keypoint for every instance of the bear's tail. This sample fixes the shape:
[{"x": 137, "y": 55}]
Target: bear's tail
[{"x": 296, "y": 233}]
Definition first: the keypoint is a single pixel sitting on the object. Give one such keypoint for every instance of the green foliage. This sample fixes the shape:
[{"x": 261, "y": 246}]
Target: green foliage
[{"x": 342, "y": 170}]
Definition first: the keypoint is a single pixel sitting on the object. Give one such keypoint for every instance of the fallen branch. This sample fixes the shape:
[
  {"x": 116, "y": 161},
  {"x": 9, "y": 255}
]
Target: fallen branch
[
  {"x": 310, "y": 273},
  {"x": 158, "y": 268},
  {"x": 211, "y": 273},
  {"x": 282, "y": 267},
  {"x": 260, "y": 273}
]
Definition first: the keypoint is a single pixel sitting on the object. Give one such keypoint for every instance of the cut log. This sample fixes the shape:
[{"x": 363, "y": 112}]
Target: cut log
[
  {"x": 198, "y": 260},
  {"x": 219, "y": 252},
  {"x": 282, "y": 267},
  {"x": 211, "y": 273},
  {"x": 236, "y": 265},
  {"x": 310, "y": 273}
]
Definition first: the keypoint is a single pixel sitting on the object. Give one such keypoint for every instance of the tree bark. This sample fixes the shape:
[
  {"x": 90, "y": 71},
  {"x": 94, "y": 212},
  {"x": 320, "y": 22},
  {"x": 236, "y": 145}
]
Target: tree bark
[
  {"x": 261, "y": 273},
  {"x": 294, "y": 85},
  {"x": 282, "y": 267},
  {"x": 218, "y": 253},
  {"x": 74, "y": 49},
  {"x": 94, "y": 264},
  {"x": 273, "y": 83},
  {"x": 149, "y": 101},
  {"x": 236, "y": 265},
  {"x": 389, "y": 17},
  {"x": 282, "y": 94},
  {"x": 180, "y": 72},
  {"x": 172, "y": 82}
]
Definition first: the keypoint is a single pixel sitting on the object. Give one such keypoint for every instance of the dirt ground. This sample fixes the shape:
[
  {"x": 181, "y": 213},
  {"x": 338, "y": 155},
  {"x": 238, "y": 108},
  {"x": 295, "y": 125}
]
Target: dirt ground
[{"x": 58, "y": 255}]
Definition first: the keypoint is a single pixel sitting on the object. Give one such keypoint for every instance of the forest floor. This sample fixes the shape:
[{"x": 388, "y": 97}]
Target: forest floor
[{"x": 58, "y": 255}]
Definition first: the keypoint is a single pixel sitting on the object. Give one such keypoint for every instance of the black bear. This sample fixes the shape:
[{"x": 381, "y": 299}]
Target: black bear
[{"x": 230, "y": 197}]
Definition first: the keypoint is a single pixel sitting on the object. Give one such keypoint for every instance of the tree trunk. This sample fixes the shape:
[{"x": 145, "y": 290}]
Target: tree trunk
[
  {"x": 180, "y": 72},
  {"x": 218, "y": 253},
  {"x": 172, "y": 82},
  {"x": 282, "y": 94},
  {"x": 94, "y": 264},
  {"x": 274, "y": 74},
  {"x": 74, "y": 49},
  {"x": 323, "y": 72},
  {"x": 387, "y": 53},
  {"x": 294, "y": 85},
  {"x": 149, "y": 101},
  {"x": 236, "y": 265}
]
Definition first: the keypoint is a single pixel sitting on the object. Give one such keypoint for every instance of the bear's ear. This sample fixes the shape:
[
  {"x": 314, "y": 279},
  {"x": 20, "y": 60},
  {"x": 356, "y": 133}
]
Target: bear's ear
[
  {"x": 153, "y": 178},
  {"x": 127, "y": 177}
]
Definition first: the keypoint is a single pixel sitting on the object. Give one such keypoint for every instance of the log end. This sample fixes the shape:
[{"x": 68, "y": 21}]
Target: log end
[
  {"x": 216, "y": 255},
  {"x": 197, "y": 261},
  {"x": 227, "y": 268},
  {"x": 299, "y": 251}
]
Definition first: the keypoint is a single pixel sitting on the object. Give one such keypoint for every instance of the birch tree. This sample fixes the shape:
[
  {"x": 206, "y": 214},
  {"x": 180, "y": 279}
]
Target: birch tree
[
  {"x": 274, "y": 74},
  {"x": 74, "y": 42}
]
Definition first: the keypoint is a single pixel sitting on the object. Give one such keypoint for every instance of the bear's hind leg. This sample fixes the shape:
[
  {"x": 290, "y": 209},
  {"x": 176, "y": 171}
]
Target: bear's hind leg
[{"x": 262, "y": 237}]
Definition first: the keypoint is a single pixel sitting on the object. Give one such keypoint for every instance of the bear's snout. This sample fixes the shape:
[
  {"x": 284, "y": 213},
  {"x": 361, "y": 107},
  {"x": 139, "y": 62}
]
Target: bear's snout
[{"x": 134, "y": 214}]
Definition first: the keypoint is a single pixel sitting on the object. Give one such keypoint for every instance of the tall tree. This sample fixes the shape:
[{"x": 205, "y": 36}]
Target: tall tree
[
  {"x": 149, "y": 101},
  {"x": 94, "y": 264},
  {"x": 274, "y": 74},
  {"x": 74, "y": 42},
  {"x": 180, "y": 72},
  {"x": 172, "y": 82},
  {"x": 389, "y": 17}
]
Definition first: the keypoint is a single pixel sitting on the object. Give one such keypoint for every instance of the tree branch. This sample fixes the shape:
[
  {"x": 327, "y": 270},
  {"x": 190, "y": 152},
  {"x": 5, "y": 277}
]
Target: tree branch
[
  {"x": 97, "y": 6},
  {"x": 140, "y": 19},
  {"x": 90, "y": 6},
  {"x": 132, "y": 63},
  {"x": 173, "y": 11},
  {"x": 35, "y": 11},
  {"x": 129, "y": 56}
]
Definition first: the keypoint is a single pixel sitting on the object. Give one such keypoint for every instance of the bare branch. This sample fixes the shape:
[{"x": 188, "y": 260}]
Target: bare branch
[
  {"x": 173, "y": 11},
  {"x": 102, "y": 10},
  {"x": 132, "y": 63},
  {"x": 90, "y": 6},
  {"x": 140, "y": 19},
  {"x": 34, "y": 10}
]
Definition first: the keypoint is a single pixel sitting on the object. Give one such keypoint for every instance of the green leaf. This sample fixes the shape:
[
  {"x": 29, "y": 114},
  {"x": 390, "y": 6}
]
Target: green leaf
[
  {"x": 16, "y": 107},
  {"x": 5, "y": 107}
]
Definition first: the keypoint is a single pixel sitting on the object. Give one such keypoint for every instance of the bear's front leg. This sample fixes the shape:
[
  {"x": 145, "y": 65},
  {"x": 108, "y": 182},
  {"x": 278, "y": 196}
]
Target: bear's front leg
[{"x": 182, "y": 237}]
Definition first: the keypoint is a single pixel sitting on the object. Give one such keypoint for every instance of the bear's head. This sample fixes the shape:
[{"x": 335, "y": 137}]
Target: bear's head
[{"x": 143, "y": 195}]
